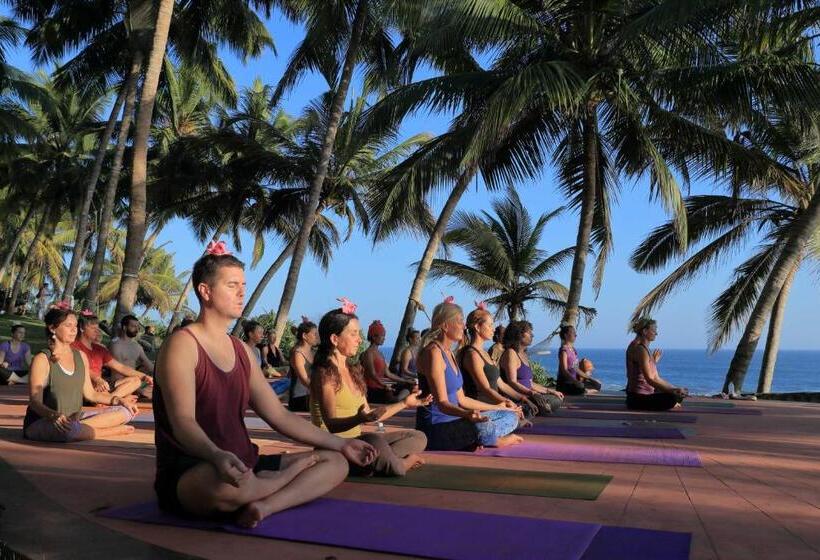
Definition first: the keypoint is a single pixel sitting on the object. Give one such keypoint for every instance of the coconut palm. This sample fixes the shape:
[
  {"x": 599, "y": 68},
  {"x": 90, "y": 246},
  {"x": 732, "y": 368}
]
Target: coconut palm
[
  {"x": 505, "y": 265},
  {"x": 612, "y": 90},
  {"x": 357, "y": 28}
]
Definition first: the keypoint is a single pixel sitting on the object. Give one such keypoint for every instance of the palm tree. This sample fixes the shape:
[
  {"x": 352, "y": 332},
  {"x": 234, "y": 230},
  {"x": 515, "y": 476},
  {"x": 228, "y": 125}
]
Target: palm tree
[
  {"x": 506, "y": 267},
  {"x": 352, "y": 26},
  {"x": 615, "y": 90},
  {"x": 159, "y": 282}
]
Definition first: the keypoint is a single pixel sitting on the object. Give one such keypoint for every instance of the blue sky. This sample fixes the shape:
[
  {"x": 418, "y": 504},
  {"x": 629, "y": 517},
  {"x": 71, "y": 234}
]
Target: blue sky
[{"x": 378, "y": 277}]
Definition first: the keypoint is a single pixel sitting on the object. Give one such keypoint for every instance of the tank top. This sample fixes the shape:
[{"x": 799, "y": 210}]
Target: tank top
[
  {"x": 491, "y": 372},
  {"x": 572, "y": 360},
  {"x": 635, "y": 380},
  {"x": 221, "y": 400},
  {"x": 453, "y": 382},
  {"x": 296, "y": 387},
  {"x": 63, "y": 391},
  {"x": 16, "y": 360},
  {"x": 347, "y": 404},
  {"x": 523, "y": 375},
  {"x": 379, "y": 368}
]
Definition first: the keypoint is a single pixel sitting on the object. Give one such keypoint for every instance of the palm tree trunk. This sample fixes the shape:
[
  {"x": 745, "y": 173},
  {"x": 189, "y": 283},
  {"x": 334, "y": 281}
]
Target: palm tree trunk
[
  {"x": 176, "y": 316},
  {"x": 15, "y": 241},
  {"x": 18, "y": 282},
  {"x": 301, "y": 246},
  {"x": 433, "y": 244},
  {"x": 137, "y": 214},
  {"x": 801, "y": 232},
  {"x": 579, "y": 262},
  {"x": 91, "y": 186},
  {"x": 764, "y": 382},
  {"x": 107, "y": 213},
  {"x": 260, "y": 287}
]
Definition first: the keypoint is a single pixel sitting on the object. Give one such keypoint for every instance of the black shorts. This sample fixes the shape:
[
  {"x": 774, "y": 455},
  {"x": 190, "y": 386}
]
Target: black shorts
[{"x": 167, "y": 480}]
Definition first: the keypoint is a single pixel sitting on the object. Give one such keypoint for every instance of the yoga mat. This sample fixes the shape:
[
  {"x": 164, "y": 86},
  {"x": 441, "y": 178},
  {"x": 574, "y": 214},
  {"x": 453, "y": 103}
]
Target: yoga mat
[
  {"x": 648, "y": 432},
  {"x": 624, "y": 543},
  {"x": 668, "y": 456},
  {"x": 251, "y": 422},
  {"x": 621, "y": 400},
  {"x": 685, "y": 408},
  {"x": 497, "y": 481},
  {"x": 401, "y": 530},
  {"x": 630, "y": 416}
]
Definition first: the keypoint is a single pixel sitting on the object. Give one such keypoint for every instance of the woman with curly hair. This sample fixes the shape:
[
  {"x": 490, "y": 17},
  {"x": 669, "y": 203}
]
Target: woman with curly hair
[{"x": 516, "y": 370}]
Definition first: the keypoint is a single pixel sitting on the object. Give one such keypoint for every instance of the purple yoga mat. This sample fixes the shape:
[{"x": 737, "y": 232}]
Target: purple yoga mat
[
  {"x": 397, "y": 529},
  {"x": 702, "y": 410},
  {"x": 647, "y": 432},
  {"x": 668, "y": 456},
  {"x": 631, "y": 416},
  {"x": 624, "y": 543}
]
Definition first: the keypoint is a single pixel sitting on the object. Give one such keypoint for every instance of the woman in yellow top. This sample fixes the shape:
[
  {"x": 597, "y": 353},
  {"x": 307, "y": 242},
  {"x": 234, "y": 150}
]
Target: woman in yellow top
[{"x": 338, "y": 398}]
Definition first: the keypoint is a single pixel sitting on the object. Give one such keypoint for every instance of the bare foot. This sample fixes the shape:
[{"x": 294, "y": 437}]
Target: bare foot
[
  {"x": 506, "y": 441},
  {"x": 300, "y": 464},
  {"x": 678, "y": 405},
  {"x": 413, "y": 461},
  {"x": 251, "y": 515}
]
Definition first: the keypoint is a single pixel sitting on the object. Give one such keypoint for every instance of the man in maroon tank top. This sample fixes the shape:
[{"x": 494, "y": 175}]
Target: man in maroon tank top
[{"x": 205, "y": 380}]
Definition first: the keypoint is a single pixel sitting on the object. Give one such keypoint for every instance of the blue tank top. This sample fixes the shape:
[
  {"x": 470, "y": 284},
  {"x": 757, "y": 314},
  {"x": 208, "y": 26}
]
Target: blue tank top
[{"x": 453, "y": 382}]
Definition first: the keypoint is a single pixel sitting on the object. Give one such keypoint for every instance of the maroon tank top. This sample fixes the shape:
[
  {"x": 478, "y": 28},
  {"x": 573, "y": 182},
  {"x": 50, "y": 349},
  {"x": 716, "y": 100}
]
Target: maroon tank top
[{"x": 221, "y": 400}]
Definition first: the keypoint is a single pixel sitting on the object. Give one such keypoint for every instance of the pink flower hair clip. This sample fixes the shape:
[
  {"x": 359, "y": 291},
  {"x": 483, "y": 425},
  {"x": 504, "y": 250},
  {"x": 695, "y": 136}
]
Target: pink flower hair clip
[
  {"x": 63, "y": 305},
  {"x": 449, "y": 299},
  {"x": 348, "y": 307},
  {"x": 482, "y": 305},
  {"x": 217, "y": 248},
  {"x": 305, "y": 319},
  {"x": 87, "y": 313}
]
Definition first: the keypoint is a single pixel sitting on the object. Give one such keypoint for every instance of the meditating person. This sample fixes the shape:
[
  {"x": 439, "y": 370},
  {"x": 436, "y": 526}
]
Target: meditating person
[
  {"x": 407, "y": 360},
  {"x": 482, "y": 376},
  {"x": 383, "y": 386},
  {"x": 271, "y": 353},
  {"x": 645, "y": 388},
  {"x": 15, "y": 357},
  {"x": 58, "y": 383},
  {"x": 99, "y": 356},
  {"x": 574, "y": 376},
  {"x": 130, "y": 353},
  {"x": 338, "y": 398},
  {"x": 517, "y": 373},
  {"x": 454, "y": 421},
  {"x": 207, "y": 465},
  {"x": 301, "y": 361},
  {"x": 497, "y": 348},
  {"x": 254, "y": 334}
]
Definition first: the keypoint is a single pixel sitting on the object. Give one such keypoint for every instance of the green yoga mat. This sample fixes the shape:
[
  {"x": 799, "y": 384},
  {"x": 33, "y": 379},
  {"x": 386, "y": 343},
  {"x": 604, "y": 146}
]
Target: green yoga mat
[{"x": 498, "y": 481}]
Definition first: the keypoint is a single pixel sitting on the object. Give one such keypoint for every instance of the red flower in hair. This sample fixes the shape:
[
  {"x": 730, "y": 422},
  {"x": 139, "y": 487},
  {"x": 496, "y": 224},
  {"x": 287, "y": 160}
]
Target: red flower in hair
[
  {"x": 449, "y": 299},
  {"x": 481, "y": 305},
  {"x": 348, "y": 307},
  {"x": 62, "y": 305},
  {"x": 217, "y": 248}
]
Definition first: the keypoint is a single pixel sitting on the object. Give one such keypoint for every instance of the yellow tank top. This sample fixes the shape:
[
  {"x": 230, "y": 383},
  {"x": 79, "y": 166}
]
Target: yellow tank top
[{"x": 347, "y": 404}]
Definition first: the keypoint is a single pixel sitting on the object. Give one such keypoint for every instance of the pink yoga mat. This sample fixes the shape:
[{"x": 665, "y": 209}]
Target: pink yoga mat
[
  {"x": 630, "y": 416},
  {"x": 684, "y": 409},
  {"x": 641, "y": 432},
  {"x": 452, "y": 534},
  {"x": 668, "y": 456}
]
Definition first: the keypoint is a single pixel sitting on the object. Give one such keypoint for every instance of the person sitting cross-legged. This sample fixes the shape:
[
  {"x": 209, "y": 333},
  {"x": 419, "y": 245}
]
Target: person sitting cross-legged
[
  {"x": 99, "y": 356},
  {"x": 15, "y": 357},
  {"x": 645, "y": 388},
  {"x": 338, "y": 398},
  {"x": 130, "y": 353},
  {"x": 205, "y": 381},
  {"x": 58, "y": 382}
]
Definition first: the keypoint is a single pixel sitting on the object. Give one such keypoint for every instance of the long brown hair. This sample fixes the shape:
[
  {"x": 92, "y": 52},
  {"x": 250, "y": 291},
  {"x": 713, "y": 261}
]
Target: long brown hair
[
  {"x": 324, "y": 370},
  {"x": 53, "y": 319}
]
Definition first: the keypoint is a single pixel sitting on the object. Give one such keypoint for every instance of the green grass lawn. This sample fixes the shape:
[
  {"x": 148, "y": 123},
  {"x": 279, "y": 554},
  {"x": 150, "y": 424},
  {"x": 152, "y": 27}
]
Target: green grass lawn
[{"x": 35, "y": 333}]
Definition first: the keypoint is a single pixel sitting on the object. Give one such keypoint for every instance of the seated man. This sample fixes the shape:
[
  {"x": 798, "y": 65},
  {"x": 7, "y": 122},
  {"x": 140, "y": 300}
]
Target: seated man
[
  {"x": 205, "y": 381},
  {"x": 15, "y": 357},
  {"x": 99, "y": 356},
  {"x": 130, "y": 353}
]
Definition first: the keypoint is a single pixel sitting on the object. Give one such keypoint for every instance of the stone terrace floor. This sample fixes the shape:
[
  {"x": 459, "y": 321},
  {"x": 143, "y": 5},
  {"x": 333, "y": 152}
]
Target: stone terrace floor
[{"x": 757, "y": 495}]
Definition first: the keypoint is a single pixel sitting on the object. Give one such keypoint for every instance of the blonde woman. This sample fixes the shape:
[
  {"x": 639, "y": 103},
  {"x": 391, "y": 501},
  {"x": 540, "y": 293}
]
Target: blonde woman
[
  {"x": 455, "y": 421},
  {"x": 645, "y": 388}
]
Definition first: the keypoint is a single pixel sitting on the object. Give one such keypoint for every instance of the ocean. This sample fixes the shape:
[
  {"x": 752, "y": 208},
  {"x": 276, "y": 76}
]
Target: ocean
[{"x": 702, "y": 373}]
